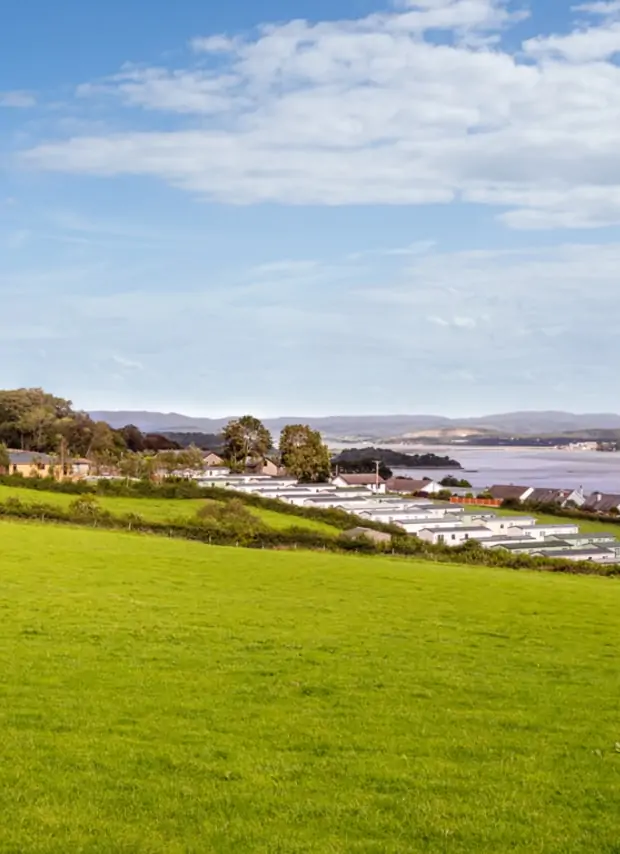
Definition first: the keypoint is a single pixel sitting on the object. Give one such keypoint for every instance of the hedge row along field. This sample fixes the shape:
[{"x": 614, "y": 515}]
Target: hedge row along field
[{"x": 231, "y": 523}]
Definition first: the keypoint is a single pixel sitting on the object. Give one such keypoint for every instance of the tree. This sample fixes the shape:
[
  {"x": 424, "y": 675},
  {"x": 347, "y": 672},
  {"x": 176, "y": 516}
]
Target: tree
[
  {"x": 450, "y": 480},
  {"x": 246, "y": 440},
  {"x": 156, "y": 442},
  {"x": 130, "y": 465},
  {"x": 5, "y": 461},
  {"x": 134, "y": 439},
  {"x": 29, "y": 418},
  {"x": 304, "y": 455},
  {"x": 364, "y": 466},
  {"x": 193, "y": 459}
]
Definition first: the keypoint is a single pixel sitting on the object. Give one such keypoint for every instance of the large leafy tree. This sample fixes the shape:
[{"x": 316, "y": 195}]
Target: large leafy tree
[
  {"x": 31, "y": 419},
  {"x": 246, "y": 440},
  {"x": 5, "y": 462},
  {"x": 303, "y": 454}
]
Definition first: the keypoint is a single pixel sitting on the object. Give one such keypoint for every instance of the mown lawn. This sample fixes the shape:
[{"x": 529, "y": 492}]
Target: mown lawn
[
  {"x": 163, "y": 696},
  {"x": 160, "y": 509}
]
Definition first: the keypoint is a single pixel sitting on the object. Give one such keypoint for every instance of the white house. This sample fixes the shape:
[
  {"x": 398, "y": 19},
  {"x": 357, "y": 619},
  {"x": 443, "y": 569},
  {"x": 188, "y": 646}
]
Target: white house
[
  {"x": 397, "y": 513},
  {"x": 502, "y": 524},
  {"x": 541, "y": 532},
  {"x": 416, "y": 526},
  {"x": 371, "y": 481},
  {"x": 450, "y": 536},
  {"x": 585, "y": 538}
]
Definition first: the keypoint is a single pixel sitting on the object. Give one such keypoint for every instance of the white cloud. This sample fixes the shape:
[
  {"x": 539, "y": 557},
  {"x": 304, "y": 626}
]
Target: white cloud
[
  {"x": 126, "y": 364},
  {"x": 606, "y": 9},
  {"x": 192, "y": 92},
  {"x": 580, "y": 46},
  {"x": 376, "y": 111},
  {"x": 17, "y": 99}
]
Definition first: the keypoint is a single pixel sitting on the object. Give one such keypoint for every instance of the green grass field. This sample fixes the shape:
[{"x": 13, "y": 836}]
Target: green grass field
[
  {"x": 160, "y": 509},
  {"x": 167, "y": 697}
]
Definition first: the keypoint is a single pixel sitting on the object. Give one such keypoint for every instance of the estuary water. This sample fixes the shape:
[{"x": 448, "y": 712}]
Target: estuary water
[{"x": 482, "y": 467}]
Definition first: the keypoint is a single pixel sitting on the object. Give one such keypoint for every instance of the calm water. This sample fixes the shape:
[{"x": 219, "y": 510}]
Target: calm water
[{"x": 592, "y": 470}]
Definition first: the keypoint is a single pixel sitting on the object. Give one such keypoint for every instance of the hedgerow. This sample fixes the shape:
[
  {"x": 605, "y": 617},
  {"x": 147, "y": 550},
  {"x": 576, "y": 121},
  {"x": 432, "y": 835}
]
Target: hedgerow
[{"x": 214, "y": 531}]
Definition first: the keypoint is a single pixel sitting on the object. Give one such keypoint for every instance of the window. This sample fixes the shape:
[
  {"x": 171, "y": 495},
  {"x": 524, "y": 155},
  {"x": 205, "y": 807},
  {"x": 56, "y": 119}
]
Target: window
[{"x": 454, "y": 536}]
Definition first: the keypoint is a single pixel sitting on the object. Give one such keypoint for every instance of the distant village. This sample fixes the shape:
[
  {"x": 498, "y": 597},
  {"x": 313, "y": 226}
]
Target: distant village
[{"x": 423, "y": 507}]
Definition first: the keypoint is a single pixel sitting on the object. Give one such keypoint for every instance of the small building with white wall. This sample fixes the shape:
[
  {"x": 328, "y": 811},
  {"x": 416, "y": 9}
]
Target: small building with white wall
[
  {"x": 450, "y": 536},
  {"x": 542, "y": 532}
]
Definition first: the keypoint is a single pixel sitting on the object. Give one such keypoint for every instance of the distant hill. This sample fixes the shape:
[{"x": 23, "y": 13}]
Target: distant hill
[{"x": 372, "y": 427}]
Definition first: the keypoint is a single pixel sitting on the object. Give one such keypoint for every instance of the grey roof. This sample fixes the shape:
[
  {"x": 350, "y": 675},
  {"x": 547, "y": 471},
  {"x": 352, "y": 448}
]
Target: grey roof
[
  {"x": 319, "y": 499},
  {"x": 532, "y": 545},
  {"x": 502, "y": 492},
  {"x": 584, "y": 535},
  {"x": 391, "y": 511},
  {"x": 25, "y": 458},
  {"x": 573, "y": 553},
  {"x": 602, "y": 503},
  {"x": 455, "y": 530},
  {"x": 548, "y": 495},
  {"x": 543, "y": 527}
]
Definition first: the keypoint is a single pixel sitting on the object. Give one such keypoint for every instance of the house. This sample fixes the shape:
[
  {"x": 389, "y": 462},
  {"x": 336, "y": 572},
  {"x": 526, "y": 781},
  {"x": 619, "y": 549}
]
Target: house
[
  {"x": 584, "y": 538},
  {"x": 79, "y": 468},
  {"x": 212, "y": 460},
  {"x": 525, "y": 545},
  {"x": 397, "y": 515},
  {"x": 600, "y": 502},
  {"x": 561, "y": 497},
  {"x": 450, "y": 536},
  {"x": 264, "y": 466},
  {"x": 31, "y": 464},
  {"x": 502, "y": 524},
  {"x": 370, "y": 481},
  {"x": 369, "y": 533},
  {"x": 410, "y": 486},
  {"x": 512, "y": 542},
  {"x": 510, "y": 493},
  {"x": 542, "y": 532}
]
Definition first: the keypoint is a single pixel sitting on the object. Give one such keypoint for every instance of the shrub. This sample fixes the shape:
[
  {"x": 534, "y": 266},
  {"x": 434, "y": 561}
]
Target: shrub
[{"x": 88, "y": 508}]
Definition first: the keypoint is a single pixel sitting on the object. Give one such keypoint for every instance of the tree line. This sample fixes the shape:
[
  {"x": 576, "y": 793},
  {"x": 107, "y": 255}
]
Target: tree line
[{"x": 32, "y": 419}]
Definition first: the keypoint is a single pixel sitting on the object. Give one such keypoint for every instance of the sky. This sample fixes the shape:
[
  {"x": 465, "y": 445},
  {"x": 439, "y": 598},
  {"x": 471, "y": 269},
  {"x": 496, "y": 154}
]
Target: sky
[{"x": 367, "y": 207}]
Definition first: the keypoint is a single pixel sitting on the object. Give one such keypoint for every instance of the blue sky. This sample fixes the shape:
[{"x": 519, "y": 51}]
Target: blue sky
[{"x": 367, "y": 207}]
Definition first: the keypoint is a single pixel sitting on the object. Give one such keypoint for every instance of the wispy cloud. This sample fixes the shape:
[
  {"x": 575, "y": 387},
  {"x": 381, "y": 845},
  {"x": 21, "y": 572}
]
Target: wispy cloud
[
  {"x": 17, "y": 99},
  {"x": 376, "y": 111}
]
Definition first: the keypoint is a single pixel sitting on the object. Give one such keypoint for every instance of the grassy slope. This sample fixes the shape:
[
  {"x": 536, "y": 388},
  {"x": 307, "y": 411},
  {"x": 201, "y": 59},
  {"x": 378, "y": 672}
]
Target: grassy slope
[
  {"x": 160, "y": 510},
  {"x": 162, "y": 696}
]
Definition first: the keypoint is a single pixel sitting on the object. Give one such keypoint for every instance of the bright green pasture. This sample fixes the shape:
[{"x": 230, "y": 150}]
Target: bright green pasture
[
  {"x": 159, "y": 509},
  {"x": 165, "y": 697}
]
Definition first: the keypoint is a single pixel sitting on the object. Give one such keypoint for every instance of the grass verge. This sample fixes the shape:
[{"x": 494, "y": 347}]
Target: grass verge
[{"x": 158, "y": 697}]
